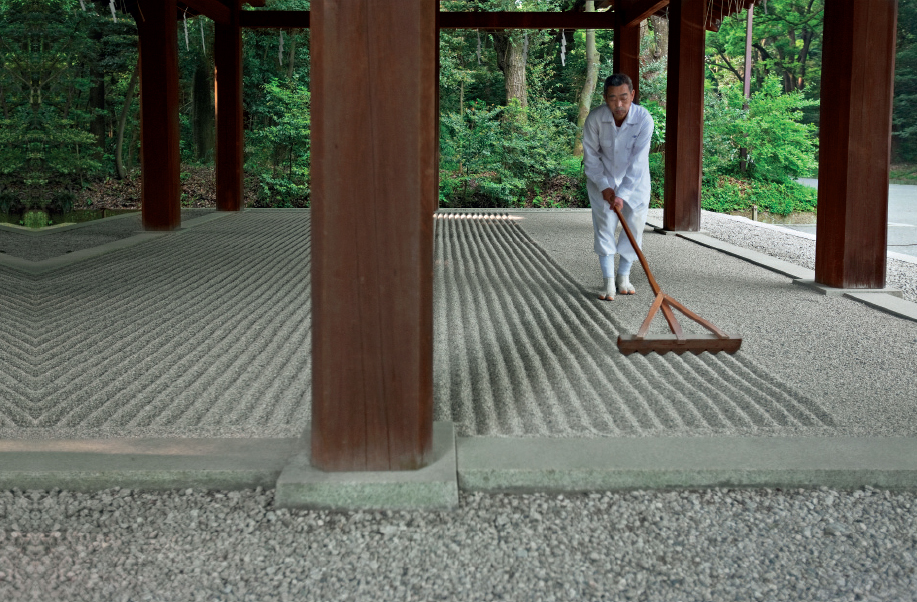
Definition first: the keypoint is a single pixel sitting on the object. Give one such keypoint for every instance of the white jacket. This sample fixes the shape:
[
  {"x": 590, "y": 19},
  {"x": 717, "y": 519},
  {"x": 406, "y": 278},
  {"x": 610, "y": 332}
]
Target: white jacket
[{"x": 618, "y": 158}]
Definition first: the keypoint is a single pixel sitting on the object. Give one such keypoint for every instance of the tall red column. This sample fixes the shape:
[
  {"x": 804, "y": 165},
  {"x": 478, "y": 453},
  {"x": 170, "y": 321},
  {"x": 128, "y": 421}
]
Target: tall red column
[
  {"x": 159, "y": 134},
  {"x": 373, "y": 169},
  {"x": 626, "y": 54},
  {"x": 855, "y": 138},
  {"x": 228, "y": 84},
  {"x": 684, "y": 123}
]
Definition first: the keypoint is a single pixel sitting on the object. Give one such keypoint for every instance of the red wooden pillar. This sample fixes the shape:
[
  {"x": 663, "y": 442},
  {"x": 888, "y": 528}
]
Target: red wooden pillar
[
  {"x": 228, "y": 84},
  {"x": 855, "y": 137},
  {"x": 684, "y": 122},
  {"x": 373, "y": 166},
  {"x": 159, "y": 135},
  {"x": 626, "y": 54}
]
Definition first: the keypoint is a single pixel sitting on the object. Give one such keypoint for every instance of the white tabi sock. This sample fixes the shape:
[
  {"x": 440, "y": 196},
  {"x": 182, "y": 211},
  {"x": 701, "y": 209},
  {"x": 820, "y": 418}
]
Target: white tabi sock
[{"x": 608, "y": 289}]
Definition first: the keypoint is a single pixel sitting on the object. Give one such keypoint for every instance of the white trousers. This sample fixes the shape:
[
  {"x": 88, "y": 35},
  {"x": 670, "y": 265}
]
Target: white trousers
[{"x": 605, "y": 222}]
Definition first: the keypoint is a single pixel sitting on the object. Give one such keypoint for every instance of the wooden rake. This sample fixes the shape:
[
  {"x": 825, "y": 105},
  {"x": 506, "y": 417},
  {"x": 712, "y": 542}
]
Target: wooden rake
[{"x": 676, "y": 342}]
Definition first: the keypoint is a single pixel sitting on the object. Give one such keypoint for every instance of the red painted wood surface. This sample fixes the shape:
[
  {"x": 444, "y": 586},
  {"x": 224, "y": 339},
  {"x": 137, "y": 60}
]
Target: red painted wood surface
[
  {"x": 213, "y": 9},
  {"x": 227, "y": 49},
  {"x": 632, "y": 12},
  {"x": 274, "y": 19},
  {"x": 159, "y": 135},
  {"x": 857, "y": 88},
  {"x": 373, "y": 166},
  {"x": 684, "y": 116},
  {"x": 626, "y": 54}
]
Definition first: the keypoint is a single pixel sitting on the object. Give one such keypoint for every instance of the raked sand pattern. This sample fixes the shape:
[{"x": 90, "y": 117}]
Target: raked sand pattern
[
  {"x": 211, "y": 327},
  {"x": 205, "y": 327},
  {"x": 522, "y": 348}
]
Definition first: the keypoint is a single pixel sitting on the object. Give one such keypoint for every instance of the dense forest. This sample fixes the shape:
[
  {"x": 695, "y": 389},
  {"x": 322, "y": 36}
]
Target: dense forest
[{"x": 512, "y": 103}]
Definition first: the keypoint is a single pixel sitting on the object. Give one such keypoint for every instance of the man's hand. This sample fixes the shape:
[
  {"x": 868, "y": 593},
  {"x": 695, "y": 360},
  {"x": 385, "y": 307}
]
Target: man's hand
[
  {"x": 618, "y": 203},
  {"x": 609, "y": 195}
]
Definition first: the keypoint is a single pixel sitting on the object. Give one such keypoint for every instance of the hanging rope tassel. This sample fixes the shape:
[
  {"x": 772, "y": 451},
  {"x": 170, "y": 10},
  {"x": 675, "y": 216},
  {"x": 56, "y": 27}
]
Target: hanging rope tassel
[
  {"x": 479, "y": 49},
  {"x": 111, "y": 5},
  {"x": 280, "y": 52},
  {"x": 563, "y": 49},
  {"x": 83, "y": 4}
]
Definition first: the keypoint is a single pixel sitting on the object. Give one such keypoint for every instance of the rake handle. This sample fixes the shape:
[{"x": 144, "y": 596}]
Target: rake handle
[{"x": 633, "y": 243}]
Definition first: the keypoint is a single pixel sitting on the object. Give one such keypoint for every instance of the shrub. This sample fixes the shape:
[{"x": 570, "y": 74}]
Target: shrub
[
  {"x": 727, "y": 194},
  {"x": 780, "y": 147},
  {"x": 495, "y": 156}
]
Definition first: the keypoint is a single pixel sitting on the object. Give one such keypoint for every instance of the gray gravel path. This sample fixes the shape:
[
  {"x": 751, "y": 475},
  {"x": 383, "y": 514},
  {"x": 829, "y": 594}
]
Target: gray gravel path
[
  {"x": 795, "y": 249},
  {"x": 717, "y": 545}
]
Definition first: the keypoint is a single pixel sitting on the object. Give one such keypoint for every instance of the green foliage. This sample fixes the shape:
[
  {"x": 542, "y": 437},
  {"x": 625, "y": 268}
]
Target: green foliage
[
  {"x": 492, "y": 155},
  {"x": 780, "y": 147},
  {"x": 44, "y": 139},
  {"x": 904, "y": 118},
  {"x": 283, "y": 146},
  {"x": 727, "y": 194},
  {"x": 786, "y": 44}
]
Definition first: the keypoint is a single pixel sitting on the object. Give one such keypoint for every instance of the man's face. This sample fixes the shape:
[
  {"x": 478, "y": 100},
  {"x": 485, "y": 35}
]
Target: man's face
[{"x": 619, "y": 99}]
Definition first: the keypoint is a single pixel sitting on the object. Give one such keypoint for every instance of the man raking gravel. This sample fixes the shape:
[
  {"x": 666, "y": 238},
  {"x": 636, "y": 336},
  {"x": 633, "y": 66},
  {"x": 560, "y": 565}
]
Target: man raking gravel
[{"x": 616, "y": 147}]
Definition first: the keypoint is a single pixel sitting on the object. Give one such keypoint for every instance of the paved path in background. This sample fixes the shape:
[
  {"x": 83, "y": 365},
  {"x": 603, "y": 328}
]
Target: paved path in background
[{"x": 902, "y": 217}]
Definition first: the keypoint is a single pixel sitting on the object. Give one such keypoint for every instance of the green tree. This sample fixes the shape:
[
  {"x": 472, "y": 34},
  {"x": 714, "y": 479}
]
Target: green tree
[
  {"x": 904, "y": 120},
  {"x": 48, "y": 147},
  {"x": 787, "y": 42}
]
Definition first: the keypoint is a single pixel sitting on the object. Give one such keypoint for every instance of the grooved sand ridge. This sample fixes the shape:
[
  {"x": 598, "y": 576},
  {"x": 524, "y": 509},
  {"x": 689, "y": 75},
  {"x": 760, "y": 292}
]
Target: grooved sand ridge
[
  {"x": 211, "y": 327},
  {"x": 522, "y": 348}
]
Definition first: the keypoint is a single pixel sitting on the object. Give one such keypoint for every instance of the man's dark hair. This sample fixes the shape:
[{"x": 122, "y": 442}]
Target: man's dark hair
[{"x": 618, "y": 79}]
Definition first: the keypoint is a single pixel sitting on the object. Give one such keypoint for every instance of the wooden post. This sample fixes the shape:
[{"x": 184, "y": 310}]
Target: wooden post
[
  {"x": 228, "y": 84},
  {"x": 373, "y": 167},
  {"x": 855, "y": 137},
  {"x": 159, "y": 135},
  {"x": 626, "y": 54},
  {"x": 684, "y": 116}
]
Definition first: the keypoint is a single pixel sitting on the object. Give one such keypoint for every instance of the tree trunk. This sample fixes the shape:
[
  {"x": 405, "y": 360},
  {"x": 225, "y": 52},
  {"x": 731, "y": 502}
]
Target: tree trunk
[
  {"x": 511, "y": 58},
  {"x": 292, "y": 58},
  {"x": 202, "y": 118},
  {"x": 128, "y": 97},
  {"x": 661, "y": 37},
  {"x": 97, "y": 104},
  {"x": 592, "y": 75}
]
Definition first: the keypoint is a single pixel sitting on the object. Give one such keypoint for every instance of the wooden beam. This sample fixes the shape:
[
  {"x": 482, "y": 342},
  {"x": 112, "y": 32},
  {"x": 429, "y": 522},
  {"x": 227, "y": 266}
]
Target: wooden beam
[
  {"x": 159, "y": 132},
  {"x": 274, "y": 19},
  {"x": 632, "y": 12},
  {"x": 626, "y": 54},
  {"x": 855, "y": 136},
  {"x": 227, "y": 50},
  {"x": 213, "y": 9},
  {"x": 684, "y": 116},
  {"x": 373, "y": 169},
  {"x": 526, "y": 20}
]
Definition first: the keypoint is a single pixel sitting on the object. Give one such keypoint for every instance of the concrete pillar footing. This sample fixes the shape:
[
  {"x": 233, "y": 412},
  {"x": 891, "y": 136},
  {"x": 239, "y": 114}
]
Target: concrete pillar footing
[{"x": 434, "y": 487}]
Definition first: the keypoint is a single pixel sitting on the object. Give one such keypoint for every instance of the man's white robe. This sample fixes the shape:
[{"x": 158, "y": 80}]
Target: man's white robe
[{"x": 618, "y": 158}]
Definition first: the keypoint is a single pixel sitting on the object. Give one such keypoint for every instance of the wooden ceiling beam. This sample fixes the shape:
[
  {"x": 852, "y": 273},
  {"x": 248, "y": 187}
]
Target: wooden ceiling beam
[
  {"x": 213, "y": 9},
  {"x": 274, "y": 19},
  {"x": 526, "y": 20},
  {"x": 632, "y": 12}
]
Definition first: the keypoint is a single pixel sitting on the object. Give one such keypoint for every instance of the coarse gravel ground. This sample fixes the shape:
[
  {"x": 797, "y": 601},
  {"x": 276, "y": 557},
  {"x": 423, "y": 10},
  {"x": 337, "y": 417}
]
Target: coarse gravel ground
[
  {"x": 796, "y": 249},
  {"x": 664, "y": 545},
  {"x": 646, "y": 545}
]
